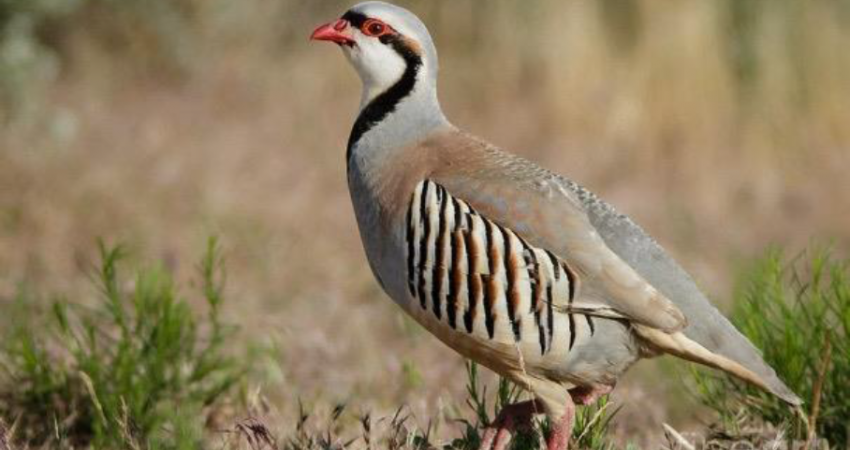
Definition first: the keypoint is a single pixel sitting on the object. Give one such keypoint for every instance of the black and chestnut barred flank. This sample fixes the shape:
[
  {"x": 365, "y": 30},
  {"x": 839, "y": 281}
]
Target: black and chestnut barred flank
[{"x": 461, "y": 265}]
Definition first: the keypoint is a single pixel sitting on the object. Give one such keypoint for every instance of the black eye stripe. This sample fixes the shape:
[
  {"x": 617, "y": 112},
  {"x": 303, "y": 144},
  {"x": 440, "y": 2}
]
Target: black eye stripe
[{"x": 356, "y": 19}]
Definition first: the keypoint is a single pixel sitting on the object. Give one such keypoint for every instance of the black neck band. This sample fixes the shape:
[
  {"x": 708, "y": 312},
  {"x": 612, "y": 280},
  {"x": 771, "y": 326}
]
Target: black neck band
[{"x": 385, "y": 103}]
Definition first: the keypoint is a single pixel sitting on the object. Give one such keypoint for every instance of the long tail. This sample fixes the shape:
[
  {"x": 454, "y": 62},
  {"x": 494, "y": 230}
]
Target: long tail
[
  {"x": 709, "y": 338},
  {"x": 680, "y": 345}
]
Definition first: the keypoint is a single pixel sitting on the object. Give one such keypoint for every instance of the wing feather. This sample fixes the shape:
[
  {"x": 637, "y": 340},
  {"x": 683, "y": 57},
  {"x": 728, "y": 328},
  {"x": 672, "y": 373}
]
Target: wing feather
[
  {"x": 516, "y": 194},
  {"x": 624, "y": 272}
]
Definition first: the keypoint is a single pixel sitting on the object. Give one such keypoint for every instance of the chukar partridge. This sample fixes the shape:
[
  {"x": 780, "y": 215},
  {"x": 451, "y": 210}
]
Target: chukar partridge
[{"x": 511, "y": 265}]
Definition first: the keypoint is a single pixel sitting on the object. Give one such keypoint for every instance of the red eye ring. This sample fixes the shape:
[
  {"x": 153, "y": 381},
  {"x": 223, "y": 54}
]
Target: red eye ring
[{"x": 374, "y": 28}]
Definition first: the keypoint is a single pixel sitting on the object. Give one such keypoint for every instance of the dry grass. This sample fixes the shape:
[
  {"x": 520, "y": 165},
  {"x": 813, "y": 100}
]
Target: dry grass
[
  {"x": 4, "y": 436},
  {"x": 249, "y": 146}
]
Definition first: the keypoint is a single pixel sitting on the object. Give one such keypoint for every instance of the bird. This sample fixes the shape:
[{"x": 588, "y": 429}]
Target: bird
[{"x": 509, "y": 264}]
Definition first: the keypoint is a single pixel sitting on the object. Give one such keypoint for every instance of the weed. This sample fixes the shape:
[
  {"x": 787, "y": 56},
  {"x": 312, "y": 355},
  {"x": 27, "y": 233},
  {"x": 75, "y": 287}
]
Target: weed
[
  {"x": 589, "y": 432},
  {"x": 799, "y": 313},
  {"x": 137, "y": 370},
  {"x": 398, "y": 431}
]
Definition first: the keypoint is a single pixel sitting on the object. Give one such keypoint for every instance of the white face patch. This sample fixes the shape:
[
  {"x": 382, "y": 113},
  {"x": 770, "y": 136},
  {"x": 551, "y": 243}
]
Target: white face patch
[
  {"x": 378, "y": 64},
  {"x": 395, "y": 58}
]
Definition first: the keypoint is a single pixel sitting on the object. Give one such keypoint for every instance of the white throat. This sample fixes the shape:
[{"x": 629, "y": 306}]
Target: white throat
[{"x": 399, "y": 103}]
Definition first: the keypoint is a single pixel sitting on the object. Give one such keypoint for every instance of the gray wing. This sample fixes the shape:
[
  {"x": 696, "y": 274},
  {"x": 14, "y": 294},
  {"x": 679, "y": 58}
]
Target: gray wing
[
  {"x": 706, "y": 325},
  {"x": 514, "y": 194}
]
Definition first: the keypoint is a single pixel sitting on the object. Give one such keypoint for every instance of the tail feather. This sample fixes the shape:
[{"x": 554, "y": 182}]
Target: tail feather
[
  {"x": 709, "y": 337},
  {"x": 680, "y": 345}
]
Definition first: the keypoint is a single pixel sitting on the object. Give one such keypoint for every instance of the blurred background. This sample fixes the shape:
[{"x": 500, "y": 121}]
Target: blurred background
[{"x": 722, "y": 127}]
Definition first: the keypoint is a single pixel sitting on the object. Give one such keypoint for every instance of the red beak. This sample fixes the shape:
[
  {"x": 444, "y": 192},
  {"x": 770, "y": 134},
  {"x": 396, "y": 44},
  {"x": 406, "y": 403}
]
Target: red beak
[{"x": 333, "y": 32}]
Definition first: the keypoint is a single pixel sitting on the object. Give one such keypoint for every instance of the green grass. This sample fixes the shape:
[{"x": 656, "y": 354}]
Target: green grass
[
  {"x": 314, "y": 431},
  {"x": 136, "y": 369},
  {"x": 589, "y": 432},
  {"x": 798, "y": 312}
]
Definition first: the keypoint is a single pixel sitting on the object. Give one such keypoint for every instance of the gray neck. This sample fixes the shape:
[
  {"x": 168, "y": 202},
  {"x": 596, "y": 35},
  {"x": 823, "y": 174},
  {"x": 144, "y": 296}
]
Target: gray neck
[
  {"x": 413, "y": 118},
  {"x": 402, "y": 115}
]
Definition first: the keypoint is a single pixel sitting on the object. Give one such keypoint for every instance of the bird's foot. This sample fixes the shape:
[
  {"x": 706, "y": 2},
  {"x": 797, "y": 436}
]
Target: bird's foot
[
  {"x": 519, "y": 415},
  {"x": 589, "y": 395},
  {"x": 511, "y": 418}
]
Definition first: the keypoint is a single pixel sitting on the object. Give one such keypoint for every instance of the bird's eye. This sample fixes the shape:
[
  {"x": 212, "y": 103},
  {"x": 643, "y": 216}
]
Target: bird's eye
[{"x": 374, "y": 28}]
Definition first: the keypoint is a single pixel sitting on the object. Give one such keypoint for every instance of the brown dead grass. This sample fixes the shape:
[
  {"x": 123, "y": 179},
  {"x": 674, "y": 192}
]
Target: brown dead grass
[
  {"x": 4, "y": 436},
  {"x": 250, "y": 147}
]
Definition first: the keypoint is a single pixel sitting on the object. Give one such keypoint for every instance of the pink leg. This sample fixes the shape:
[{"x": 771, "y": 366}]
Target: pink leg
[
  {"x": 511, "y": 418},
  {"x": 562, "y": 429}
]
